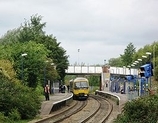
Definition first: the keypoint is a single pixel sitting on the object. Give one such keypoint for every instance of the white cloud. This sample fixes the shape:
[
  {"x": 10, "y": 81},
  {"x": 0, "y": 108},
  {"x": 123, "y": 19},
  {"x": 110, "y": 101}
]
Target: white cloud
[{"x": 100, "y": 28}]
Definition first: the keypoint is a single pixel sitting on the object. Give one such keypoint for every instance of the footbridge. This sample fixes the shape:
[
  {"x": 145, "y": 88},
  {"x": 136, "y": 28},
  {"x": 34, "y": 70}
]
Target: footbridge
[
  {"x": 92, "y": 70},
  {"x": 105, "y": 73}
]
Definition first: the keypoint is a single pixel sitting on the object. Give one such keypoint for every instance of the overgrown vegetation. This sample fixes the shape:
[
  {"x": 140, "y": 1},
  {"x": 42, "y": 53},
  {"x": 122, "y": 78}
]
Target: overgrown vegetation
[
  {"x": 131, "y": 55},
  {"x": 142, "y": 110},
  {"x": 22, "y": 77},
  {"x": 17, "y": 101},
  {"x": 31, "y": 39}
]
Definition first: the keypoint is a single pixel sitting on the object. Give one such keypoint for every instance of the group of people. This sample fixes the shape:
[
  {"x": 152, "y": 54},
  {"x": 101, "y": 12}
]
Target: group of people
[{"x": 62, "y": 89}]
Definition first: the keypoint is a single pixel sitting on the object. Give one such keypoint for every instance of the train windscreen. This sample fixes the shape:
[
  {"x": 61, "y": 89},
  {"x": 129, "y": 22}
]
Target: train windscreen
[{"x": 81, "y": 85}]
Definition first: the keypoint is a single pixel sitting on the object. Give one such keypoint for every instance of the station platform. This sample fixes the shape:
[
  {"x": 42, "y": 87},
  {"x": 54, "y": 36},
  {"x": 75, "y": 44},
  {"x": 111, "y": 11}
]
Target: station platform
[
  {"x": 123, "y": 98},
  {"x": 56, "y": 98}
]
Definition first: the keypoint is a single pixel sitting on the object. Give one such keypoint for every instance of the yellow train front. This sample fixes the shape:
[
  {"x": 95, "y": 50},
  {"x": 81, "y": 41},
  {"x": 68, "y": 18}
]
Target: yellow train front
[{"x": 80, "y": 88}]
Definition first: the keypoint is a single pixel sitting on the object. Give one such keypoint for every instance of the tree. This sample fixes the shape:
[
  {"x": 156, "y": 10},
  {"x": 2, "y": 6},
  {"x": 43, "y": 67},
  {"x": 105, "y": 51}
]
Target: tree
[
  {"x": 11, "y": 37},
  {"x": 33, "y": 64},
  {"x": 16, "y": 99},
  {"x": 127, "y": 57},
  {"x": 57, "y": 53},
  {"x": 115, "y": 62},
  {"x": 94, "y": 80},
  {"x": 31, "y": 67},
  {"x": 6, "y": 68},
  {"x": 32, "y": 31}
]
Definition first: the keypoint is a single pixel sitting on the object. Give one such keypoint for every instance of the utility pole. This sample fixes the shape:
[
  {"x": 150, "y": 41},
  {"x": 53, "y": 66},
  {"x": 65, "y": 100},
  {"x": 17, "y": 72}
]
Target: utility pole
[{"x": 78, "y": 56}]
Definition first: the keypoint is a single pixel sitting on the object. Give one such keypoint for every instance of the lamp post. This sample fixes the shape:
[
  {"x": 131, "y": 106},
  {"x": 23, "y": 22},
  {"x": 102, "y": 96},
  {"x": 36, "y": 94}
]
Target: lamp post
[
  {"x": 137, "y": 63},
  {"x": 148, "y": 53},
  {"x": 140, "y": 60},
  {"x": 154, "y": 56},
  {"x": 124, "y": 70},
  {"x": 22, "y": 75},
  {"x": 144, "y": 57},
  {"x": 129, "y": 67},
  {"x": 46, "y": 62},
  {"x": 104, "y": 62},
  {"x": 45, "y": 72},
  {"x": 54, "y": 69},
  {"x": 53, "y": 65},
  {"x": 135, "y": 70},
  {"x": 140, "y": 63},
  {"x": 146, "y": 82},
  {"x": 78, "y": 56},
  {"x": 132, "y": 66}
]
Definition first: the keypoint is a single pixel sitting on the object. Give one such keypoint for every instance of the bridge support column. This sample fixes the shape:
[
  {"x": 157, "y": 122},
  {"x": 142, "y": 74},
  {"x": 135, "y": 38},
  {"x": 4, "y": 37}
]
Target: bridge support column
[
  {"x": 100, "y": 83},
  {"x": 105, "y": 83}
]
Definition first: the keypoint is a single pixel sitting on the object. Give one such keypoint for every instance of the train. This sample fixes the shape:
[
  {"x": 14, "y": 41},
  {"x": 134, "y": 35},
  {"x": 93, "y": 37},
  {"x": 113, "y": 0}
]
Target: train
[{"x": 79, "y": 87}]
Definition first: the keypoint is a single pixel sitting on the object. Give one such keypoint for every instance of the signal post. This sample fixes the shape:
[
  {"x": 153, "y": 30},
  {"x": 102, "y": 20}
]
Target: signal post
[{"x": 146, "y": 72}]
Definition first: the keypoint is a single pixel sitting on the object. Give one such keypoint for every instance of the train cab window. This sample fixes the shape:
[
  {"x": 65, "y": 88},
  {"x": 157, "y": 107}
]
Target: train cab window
[
  {"x": 77, "y": 85},
  {"x": 84, "y": 84},
  {"x": 81, "y": 85}
]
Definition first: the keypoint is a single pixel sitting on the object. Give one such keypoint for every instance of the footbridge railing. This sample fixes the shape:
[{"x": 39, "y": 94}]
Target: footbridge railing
[{"x": 98, "y": 70}]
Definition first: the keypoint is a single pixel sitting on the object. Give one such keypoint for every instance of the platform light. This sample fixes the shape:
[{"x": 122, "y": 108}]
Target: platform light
[
  {"x": 144, "y": 56},
  {"x": 22, "y": 60},
  {"x": 148, "y": 53},
  {"x": 139, "y": 59},
  {"x": 133, "y": 65},
  {"x": 24, "y": 54},
  {"x": 53, "y": 65}
]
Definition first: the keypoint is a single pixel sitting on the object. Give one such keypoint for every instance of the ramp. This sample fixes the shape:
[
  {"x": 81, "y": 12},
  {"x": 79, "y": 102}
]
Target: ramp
[{"x": 46, "y": 107}]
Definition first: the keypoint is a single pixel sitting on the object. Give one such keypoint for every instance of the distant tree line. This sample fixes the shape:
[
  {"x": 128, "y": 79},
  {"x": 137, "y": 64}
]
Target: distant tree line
[{"x": 131, "y": 55}]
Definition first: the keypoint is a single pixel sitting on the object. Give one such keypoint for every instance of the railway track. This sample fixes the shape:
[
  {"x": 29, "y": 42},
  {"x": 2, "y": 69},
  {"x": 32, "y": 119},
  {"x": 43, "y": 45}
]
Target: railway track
[
  {"x": 98, "y": 109},
  {"x": 59, "y": 115},
  {"x": 102, "y": 113},
  {"x": 94, "y": 109}
]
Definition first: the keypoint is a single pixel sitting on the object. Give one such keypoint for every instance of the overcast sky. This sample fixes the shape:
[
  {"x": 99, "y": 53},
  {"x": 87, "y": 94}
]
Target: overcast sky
[{"x": 100, "y": 29}]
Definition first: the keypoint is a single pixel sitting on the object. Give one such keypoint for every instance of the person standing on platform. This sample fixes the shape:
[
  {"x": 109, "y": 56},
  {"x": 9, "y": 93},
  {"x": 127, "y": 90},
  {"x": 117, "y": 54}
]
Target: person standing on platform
[
  {"x": 68, "y": 88},
  {"x": 47, "y": 91}
]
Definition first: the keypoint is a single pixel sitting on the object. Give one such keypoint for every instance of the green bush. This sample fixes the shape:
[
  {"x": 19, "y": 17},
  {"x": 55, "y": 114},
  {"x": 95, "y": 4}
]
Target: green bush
[
  {"x": 27, "y": 103},
  {"x": 18, "y": 101},
  {"x": 39, "y": 90},
  {"x": 93, "y": 89},
  {"x": 4, "y": 119},
  {"x": 142, "y": 110},
  {"x": 14, "y": 115}
]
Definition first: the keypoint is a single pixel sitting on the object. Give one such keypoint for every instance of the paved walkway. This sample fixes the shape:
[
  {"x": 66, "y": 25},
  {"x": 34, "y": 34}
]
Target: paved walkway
[
  {"x": 123, "y": 97},
  {"x": 46, "y": 106}
]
